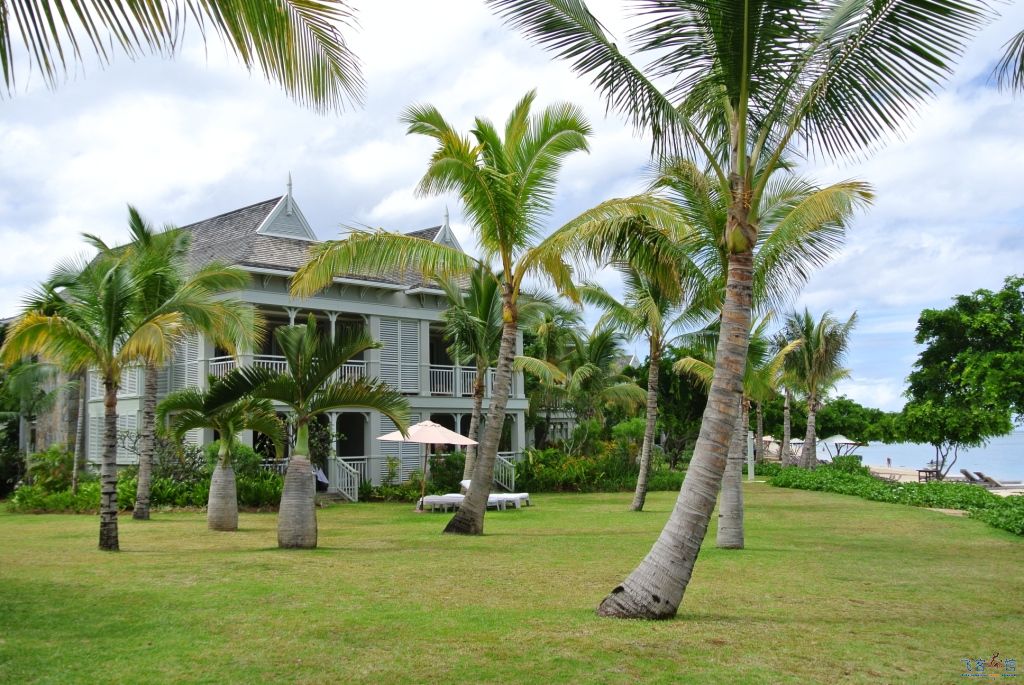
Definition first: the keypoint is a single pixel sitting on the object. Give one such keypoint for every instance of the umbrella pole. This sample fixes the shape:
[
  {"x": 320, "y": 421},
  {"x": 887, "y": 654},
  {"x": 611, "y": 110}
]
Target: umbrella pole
[{"x": 423, "y": 481}]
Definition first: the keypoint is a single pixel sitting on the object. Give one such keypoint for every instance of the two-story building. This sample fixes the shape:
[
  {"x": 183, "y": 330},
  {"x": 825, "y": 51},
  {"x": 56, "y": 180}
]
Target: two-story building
[{"x": 271, "y": 240}]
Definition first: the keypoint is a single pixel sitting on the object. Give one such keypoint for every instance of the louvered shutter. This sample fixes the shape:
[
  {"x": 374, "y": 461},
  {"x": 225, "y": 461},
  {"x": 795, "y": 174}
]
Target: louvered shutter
[
  {"x": 129, "y": 383},
  {"x": 410, "y": 351},
  {"x": 125, "y": 423},
  {"x": 95, "y": 385},
  {"x": 185, "y": 367},
  {"x": 95, "y": 438},
  {"x": 390, "y": 369}
]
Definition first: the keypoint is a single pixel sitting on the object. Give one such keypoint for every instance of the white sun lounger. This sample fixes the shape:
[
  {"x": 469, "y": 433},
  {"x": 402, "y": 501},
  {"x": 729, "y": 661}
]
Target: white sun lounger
[
  {"x": 453, "y": 500},
  {"x": 518, "y": 499}
]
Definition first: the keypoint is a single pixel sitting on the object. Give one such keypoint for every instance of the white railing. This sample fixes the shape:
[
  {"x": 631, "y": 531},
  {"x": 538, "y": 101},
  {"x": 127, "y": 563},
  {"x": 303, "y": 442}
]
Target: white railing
[
  {"x": 467, "y": 379},
  {"x": 275, "y": 465},
  {"x": 442, "y": 380},
  {"x": 343, "y": 479},
  {"x": 273, "y": 362},
  {"x": 505, "y": 471},
  {"x": 221, "y": 366},
  {"x": 351, "y": 371}
]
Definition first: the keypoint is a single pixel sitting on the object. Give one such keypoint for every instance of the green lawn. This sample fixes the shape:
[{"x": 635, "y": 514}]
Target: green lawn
[{"x": 829, "y": 588}]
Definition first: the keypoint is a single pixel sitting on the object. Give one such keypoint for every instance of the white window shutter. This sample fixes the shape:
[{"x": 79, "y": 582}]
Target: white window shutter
[
  {"x": 410, "y": 350},
  {"x": 390, "y": 368}
]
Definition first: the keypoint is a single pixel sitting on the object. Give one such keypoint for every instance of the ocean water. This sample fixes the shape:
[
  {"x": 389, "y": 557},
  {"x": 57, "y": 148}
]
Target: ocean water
[{"x": 1002, "y": 458}]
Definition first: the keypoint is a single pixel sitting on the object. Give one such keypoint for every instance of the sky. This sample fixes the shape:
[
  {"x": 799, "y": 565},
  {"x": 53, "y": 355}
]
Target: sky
[{"x": 196, "y": 136}]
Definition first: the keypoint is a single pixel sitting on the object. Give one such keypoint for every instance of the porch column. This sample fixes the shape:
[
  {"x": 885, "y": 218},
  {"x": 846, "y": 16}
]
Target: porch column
[
  {"x": 333, "y": 316},
  {"x": 332, "y": 416},
  {"x": 373, "y": 355},
  {"x": 292, "y": 311},
  {"x": 519, "y": 389},
  {"x": 518, "y": 432},
  {"x": 425, "y": 357}
]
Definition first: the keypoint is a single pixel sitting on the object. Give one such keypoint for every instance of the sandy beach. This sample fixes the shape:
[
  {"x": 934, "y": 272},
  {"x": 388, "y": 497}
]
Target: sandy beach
[{"x": 905, "y": 475}]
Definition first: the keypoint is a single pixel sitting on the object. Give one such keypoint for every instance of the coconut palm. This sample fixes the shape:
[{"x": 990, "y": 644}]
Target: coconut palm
[
  {"x": 309, "y": 388},
  {"x": 89, "y": 315},
  {"x": 157, "y": 259},
  {"x": 1010, "y": 69},
  {"x": 506, "y": 181},
  {"x": 817, "y": 365},
  {"x": 592, "y": 380},
  {"x": 761, "y": 377},
  {"x": 646, "y": 309},
  {"x": 297, "y": 44},
  {"x": 193, "y": 408},
  {"x": 750, "y": 83}
]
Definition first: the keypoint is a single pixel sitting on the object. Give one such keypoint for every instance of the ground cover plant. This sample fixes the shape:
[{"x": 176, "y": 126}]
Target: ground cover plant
[
  {"x": 847, "y": 477},
  {"x": 829, "y": 589}
]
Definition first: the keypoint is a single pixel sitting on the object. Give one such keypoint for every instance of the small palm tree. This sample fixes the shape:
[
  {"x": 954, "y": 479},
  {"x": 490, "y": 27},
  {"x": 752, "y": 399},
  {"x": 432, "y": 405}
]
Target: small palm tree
[
  {"x": 297, "y": 44},
  {"x": 817, "y": 365},
  {"x": 646, "y": 309},
  {"x": 592, "y": 380},
  {"x": 193, "y": 408},
  {"x": 506, "y": 183},
  {"x": 309, "y": 388},
  {"x": 89, "y": 316},
  {"x": 751, "y": 83},
  {"x": 157, "y": 260}
]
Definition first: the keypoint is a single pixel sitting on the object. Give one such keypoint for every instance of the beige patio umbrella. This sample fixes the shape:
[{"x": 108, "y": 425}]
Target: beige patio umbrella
[{"x": 428, "y": 433}]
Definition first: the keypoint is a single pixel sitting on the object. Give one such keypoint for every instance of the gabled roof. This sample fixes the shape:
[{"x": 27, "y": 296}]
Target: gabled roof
[{"x": 274, "y": 234}]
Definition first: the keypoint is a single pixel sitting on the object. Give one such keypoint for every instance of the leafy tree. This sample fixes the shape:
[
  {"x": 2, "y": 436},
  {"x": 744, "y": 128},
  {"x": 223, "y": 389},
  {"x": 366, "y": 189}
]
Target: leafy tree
[
  {"x": 507, "y": 185},
  {"x": 593, "y": 380},
  {"x": 975, "y": 348},
  {"x": 968, "y": 381},
  {"x": 297, "y": 44},
  {"x": 750, "y": 84},
  {"x": 844, "y": 416},
  {"x": 309, "y": 388},
  {"x": 547, "y": 338},
  {"x": 816, "y": 365},
  {"x": 192, "y": 408},
  {"x": 157, "y": 260}
]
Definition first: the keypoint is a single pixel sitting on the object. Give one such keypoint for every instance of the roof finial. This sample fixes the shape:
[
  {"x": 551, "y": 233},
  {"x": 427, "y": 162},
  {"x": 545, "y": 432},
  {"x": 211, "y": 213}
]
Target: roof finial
[
  {"x": 289, "y": 195},
  {"x": 446, "y": 215}
]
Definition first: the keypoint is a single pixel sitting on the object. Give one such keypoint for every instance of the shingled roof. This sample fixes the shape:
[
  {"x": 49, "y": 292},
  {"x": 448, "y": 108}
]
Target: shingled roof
[{"x": 233, "y": 238}]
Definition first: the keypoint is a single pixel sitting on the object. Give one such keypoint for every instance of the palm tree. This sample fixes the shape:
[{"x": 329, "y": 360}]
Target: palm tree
[
  {"x": 646, "y": 309},
  {"x": 1010, "y": 69},
  {"x": 506, "y": 183},
  {"x": 760, "y": 381},
  {"x": 552, "y": 333},
  {"x": 89, "y": 316},
  {"x": 297, "y": 44},
  {"x": 309, "y": 388},
  {"x": 192, "y": 408},
  {"x": 592, "y": 380},
  {"x": 818, "y": 365},
  {"x": 751, "y": 83},
  {"x": 158, "y": 261}
]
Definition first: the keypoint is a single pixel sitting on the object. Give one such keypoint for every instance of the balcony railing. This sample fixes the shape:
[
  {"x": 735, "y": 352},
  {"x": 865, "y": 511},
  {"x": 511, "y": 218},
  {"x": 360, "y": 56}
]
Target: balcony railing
[{"x": 445, "y": 380}]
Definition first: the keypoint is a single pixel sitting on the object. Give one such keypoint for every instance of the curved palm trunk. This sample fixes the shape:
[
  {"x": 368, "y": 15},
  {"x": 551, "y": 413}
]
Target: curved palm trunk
[
  {"x": 730, "y": 505},
  {"x": 474, "y": 423},
  {"x": 787, "y": 458},
  {"x": 108, "y": 470},
  {"x": 655, "y": 588},
  {"x": 809, "y": 455},
  {"x": 141, "y": 511},
  {"x": 469, "y": 519},
  {"x": 296, "y": 518},
  {"x": 640, "y": 495},
  {"x": 222, "y": 505}
]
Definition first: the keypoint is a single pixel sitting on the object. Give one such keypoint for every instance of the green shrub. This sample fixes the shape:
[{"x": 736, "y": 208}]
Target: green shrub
[
  {"x": 33, "y": 499},
  {"x": 446, "y": 472},
  {"x": 262, "y": 489},
  {"x": 244, "y": 460},
  {"x": 850, "y": 464},
  {"x": 665, "y": 479},
  {"x": 843, "y": 480},
  {"x": 51, "y": 470},
  {"x": 551, "y": 470}
]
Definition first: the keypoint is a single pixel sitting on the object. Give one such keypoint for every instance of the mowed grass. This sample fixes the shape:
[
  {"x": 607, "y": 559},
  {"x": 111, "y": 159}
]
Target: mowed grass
[{"x": 830, "y": 588}]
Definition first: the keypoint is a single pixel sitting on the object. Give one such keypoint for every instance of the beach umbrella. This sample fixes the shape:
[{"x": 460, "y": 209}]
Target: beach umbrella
[
  {"x": 427, "y": 433},
  {"x": 843, "y": 445}
]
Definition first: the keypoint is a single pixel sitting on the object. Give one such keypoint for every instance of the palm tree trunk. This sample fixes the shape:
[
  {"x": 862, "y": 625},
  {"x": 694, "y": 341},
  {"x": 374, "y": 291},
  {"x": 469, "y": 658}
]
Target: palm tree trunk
[
  {"x": 759, "y": 441},
  {"x": 296, "y": 518},
  {"x": 108, "y": 469},
  {"x": 655, "y": 588},
  {"x": 809, "y": 454},
  {"x": 78, "y": 458},
  {"x": 469, "y": 519},
  {"x": 787, "y": 459},
  {"x": 640, "y": 495},
  {"x": 474, "y": 423},
  {"x": 141, "y": 510},
  {"x": 730, "y": 506},
  {"x": 222, "y": 505}
]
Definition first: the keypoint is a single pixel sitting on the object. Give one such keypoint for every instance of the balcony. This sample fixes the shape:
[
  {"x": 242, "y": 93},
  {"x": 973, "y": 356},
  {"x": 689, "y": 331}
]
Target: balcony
[
  {"x": 457, "y": 381},
  {"x": 220, "y": 366}
]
